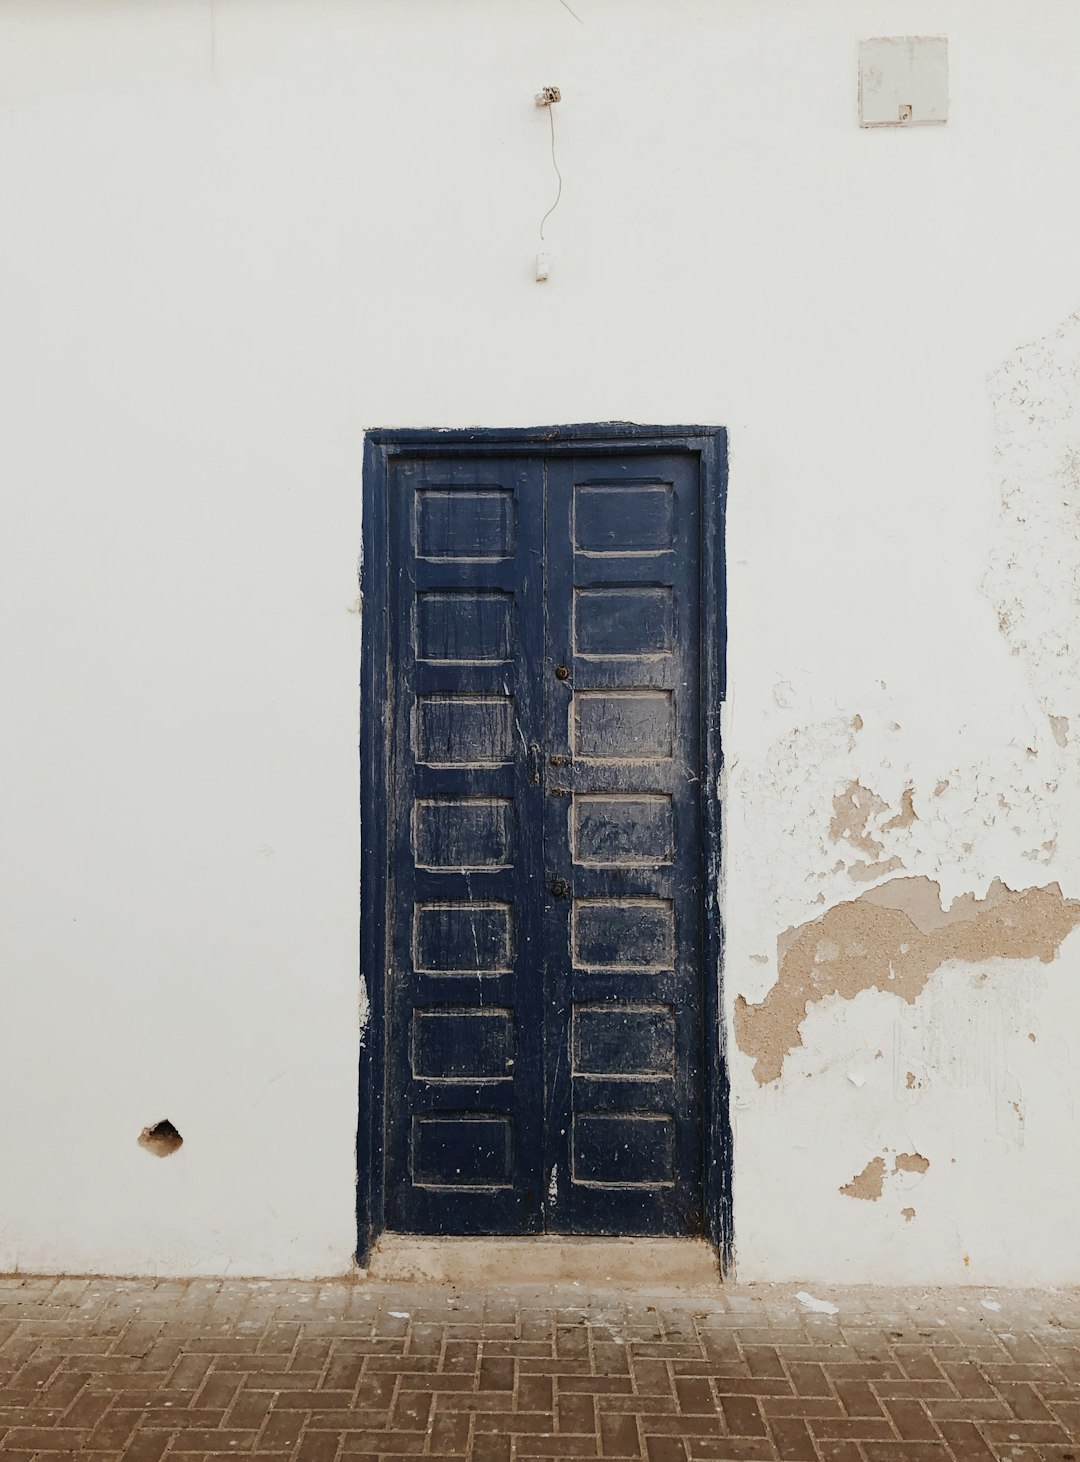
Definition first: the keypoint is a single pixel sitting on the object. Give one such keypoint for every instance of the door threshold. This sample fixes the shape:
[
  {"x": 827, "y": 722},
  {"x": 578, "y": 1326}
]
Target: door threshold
[{"x": 619, "y": 1263}]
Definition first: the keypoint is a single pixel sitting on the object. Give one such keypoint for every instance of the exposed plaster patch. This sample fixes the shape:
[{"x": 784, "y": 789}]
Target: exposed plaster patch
[
  {"x": 852, "y": 810},
  {"x": 908, "y": 1213},
  {"x": 907, "y": 814},
  {"x": 910, "y": 1081},
  {"x": 869, "y": 1184},
  {"x": 910, "y": 1162},
  {"x": 866, "y": 872},
  {"x": 892, "y": 938},
  {"x": 1059, "y": 725}
]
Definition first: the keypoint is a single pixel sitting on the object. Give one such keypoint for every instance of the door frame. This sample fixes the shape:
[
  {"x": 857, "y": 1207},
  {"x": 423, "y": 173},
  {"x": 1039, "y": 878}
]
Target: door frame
[{"x": 381, "y": 446}]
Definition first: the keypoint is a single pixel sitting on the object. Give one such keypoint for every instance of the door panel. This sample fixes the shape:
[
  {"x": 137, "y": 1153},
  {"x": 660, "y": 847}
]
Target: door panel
[
  {"x": 543, "y": 1040},
  {"x": 463, "y": 1149},
  {"x": 622, "y": 830}
]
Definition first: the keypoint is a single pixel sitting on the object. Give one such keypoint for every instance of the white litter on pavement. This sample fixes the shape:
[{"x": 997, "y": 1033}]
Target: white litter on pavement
[{"x": 820, "y": 1307}]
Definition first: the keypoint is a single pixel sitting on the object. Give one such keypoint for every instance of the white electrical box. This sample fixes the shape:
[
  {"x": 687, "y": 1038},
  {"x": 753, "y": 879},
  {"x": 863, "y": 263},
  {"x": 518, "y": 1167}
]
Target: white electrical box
[{"x": 903, "y": 81}]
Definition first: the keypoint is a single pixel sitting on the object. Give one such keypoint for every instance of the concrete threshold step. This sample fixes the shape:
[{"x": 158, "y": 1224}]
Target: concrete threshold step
[{"x": 551, "y": 1259}]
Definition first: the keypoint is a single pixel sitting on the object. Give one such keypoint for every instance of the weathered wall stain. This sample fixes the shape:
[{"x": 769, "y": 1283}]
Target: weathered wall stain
[
  {"x": 868, "y": 1184},
  {"x": 892, "y": 938}
]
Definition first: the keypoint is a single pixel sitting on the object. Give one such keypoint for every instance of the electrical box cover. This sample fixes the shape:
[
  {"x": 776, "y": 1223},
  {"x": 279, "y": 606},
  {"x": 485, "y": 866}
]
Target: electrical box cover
[{"x": 903, "y": 81}]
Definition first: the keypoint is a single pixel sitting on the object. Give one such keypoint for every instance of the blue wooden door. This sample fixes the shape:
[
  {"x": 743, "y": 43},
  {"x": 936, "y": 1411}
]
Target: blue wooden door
[{"x": 544, "y": 1035}]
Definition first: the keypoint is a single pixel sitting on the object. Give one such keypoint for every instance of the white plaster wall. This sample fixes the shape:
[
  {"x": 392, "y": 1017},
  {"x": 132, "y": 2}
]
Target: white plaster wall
[{"x": 235, "y": 235}]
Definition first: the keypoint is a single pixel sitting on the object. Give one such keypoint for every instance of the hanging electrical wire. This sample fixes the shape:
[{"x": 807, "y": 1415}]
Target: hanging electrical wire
[{"x": 551, "y": 95}]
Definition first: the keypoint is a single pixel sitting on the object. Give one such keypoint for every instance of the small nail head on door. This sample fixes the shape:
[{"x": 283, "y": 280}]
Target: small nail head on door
[{"x": 562, "y": 672}]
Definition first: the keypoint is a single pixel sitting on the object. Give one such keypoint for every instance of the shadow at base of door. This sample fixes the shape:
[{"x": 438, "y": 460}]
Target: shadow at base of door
[{"x": 620, "y": 1263}]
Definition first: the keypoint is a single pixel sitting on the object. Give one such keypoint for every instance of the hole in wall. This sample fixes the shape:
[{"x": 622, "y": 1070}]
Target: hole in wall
[{"x": 162, "y": 1139}]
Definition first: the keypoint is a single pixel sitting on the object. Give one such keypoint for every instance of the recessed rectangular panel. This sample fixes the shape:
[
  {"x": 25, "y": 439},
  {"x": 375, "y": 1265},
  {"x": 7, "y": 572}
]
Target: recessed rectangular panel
[
  {"x": 464, "y": 626},
  {"x": 460, "y": 835},
  {"x": 463, "y": 938},
  {"x": 464, "y": 730},
  {"x": 615, "y": 1040},
  {"x": 460, "y": 522},
  {"x": 623, "y": 725},
  {"x": 623, "y": 519},
  {"x": 624, "y": 934},
  {"x": 624, "y": 621},
  {"x": 614, "y": 830},
  {"x": 458, "y": 1044},
  {"x": 462, "y": 1151},
  {"x": 624, "y": 1149}
]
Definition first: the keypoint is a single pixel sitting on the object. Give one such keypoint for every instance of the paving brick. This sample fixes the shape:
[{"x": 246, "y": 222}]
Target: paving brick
[
  {"x": 903, "y": 1451},
  {"x": 742, "y": 1416},
  {"x": 513, "y": 1422},
  {"x": 318, "y": 1447},
  {"x": 576, "y": 1413},
  {"x": 731, "y": 1449},
  {"x": 491, "y": 1449},
  {"x": 858, "y": 1398},
  {"x": 619, "y": 1436},
  {"x": 665, "y": 1449},
  {"x": 448, "y": 1434},
  {"x": 911, "y": 1420},
  {"x": 695, "y": 1396},
  {"x": 792, "y": 1439},
  {"x": 549, "y": 1445},
  {"x": 852, "y": 1428},
  {"x": 965, "y": 1442},
  {"x": 496, "y": 1373},
  {"x": 43, "y": 1439}
]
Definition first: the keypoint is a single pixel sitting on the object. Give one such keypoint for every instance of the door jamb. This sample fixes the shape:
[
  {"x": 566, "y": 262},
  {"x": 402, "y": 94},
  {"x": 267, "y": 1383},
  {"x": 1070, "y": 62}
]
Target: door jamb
[{"x": 380, "y": 447}]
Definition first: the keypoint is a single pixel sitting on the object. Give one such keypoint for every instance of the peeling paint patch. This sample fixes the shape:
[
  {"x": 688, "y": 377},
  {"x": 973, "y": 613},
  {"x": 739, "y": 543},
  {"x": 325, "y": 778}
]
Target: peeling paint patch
[
  {"x": 910, "y": 1162},
  {"x": 363, "y": 1009},
  {"x": 1031, "y": 578},
  {"x": 908, "y": 1214},
  {"x": 868, "y": 1184},
  {"x": 1059, "y": 725},
  {"x": 892, "y": 938}
]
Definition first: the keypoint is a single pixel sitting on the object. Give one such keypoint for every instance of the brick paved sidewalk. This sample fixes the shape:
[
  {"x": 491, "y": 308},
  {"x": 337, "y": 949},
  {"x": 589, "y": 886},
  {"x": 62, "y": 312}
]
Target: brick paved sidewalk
[{"x": 139, "y": 1370}]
